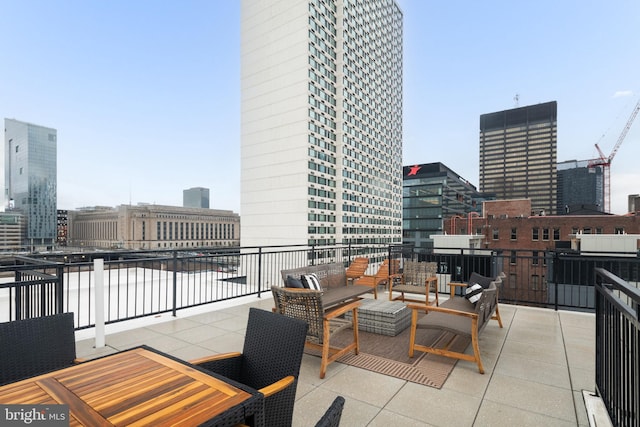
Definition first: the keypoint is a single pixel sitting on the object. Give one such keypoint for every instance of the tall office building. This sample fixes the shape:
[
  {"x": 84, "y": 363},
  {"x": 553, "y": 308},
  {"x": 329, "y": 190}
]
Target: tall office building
[
  {"x": 433, "y": 192},
  {"x": 580, "y": 186},
  {"x": 31, "y": 179},
  {"x": 518, "y": 155},
  {"x": 321, "y": 122},
  {"x": 196, "y": 197}
]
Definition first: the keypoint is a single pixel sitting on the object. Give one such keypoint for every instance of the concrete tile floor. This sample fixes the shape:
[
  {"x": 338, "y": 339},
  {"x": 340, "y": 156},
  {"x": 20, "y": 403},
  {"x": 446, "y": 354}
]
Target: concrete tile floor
[{"x": 536, "y": 368}]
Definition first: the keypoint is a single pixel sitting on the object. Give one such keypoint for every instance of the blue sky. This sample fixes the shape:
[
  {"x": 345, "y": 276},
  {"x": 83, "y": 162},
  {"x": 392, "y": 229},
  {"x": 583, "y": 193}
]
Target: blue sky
[{"x": 145, "y": 95}]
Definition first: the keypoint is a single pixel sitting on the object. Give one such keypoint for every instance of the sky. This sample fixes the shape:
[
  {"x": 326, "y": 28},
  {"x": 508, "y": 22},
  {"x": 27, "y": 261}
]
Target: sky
[{"x": 145, "y": 94}]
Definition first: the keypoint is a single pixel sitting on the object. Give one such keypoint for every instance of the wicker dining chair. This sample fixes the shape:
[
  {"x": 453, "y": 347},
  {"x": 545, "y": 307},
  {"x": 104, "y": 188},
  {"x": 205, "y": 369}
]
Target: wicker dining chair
[
  {"x": 418, "y": 277},
  {"x": 306, "y": 304},
  {"x": 269, "y": 362},
  {"x": 36, "y": 346},
  {"x": 331, "y": 417}
]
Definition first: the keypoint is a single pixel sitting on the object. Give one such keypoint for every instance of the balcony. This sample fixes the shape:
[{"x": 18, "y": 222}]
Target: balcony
[{"x": 539, "y": 368}]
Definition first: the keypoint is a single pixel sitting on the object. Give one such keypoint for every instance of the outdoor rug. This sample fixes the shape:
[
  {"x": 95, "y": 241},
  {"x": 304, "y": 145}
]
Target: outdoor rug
[{"x": 390, "y": 355}]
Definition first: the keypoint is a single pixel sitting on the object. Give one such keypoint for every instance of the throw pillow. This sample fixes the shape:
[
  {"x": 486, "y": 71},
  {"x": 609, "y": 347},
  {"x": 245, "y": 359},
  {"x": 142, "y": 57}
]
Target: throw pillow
[
  {"x": 292, "y": 282},
  {"x": 311, "y": 281},
  {"x": 303, "y": 280},
  {"x": 473, "y": 292}
]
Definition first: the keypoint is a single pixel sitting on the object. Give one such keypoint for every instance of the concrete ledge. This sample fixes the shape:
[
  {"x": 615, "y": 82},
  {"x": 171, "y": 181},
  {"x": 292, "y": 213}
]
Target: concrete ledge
[{"x": 596, "y": 411}]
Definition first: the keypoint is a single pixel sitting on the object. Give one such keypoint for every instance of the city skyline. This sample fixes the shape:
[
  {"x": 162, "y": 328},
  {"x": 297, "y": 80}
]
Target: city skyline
[{"x": 146, "y": 101}]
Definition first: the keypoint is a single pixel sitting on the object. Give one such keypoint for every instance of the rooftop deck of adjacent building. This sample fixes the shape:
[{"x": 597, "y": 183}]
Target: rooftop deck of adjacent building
[{"x": 536, "y": 369}]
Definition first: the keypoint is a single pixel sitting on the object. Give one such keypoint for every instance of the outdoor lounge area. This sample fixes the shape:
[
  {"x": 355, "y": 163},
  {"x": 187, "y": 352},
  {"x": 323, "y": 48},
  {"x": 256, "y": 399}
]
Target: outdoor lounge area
[
  {"x": 536, "y": 368},
  {"x": 532, "y": 365}
]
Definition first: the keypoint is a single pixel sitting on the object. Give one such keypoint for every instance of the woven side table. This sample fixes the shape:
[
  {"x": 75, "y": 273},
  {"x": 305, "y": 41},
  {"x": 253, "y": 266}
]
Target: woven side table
[{"x": 382, "y": 317}]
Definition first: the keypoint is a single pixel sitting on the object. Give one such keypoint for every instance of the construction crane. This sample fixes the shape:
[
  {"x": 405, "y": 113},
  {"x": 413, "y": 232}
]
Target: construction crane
[{"x": 605, "y": 161}]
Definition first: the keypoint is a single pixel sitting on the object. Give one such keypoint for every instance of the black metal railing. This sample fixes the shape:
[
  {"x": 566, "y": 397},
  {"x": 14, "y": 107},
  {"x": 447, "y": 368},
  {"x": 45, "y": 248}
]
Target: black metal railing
[
  {"x": 31, "y": 288},
  {"x": 618, "y": 347},
  {"x": 139, "y": 284}
]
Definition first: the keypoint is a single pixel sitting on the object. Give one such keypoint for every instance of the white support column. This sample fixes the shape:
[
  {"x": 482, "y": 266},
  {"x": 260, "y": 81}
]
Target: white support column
[{"x": 98, "y": 271}]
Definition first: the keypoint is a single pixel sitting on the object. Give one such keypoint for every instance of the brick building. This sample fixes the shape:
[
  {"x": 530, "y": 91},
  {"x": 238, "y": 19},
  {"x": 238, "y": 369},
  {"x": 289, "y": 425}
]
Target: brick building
[{"x": 526, "y": 240}]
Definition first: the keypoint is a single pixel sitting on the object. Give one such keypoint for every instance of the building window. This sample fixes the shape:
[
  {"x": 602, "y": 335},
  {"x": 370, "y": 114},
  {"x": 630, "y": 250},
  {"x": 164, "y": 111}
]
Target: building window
[
  {"x": 556, "y": 234},
  {"x": 618, "y": 230},
  {"x": 535, "y": 258},
  {"x": 534, "y": 233},
  {"x": 598, "y": 230},
  {"x": 574, "y": 230},
  {"x": 514, "y": 233},
  {"x": 545, "y": 234},
  {"x": 512, "y": 258},
  {"x": 586, "y": 230},
  {"x": 535, "y": 282},
  {"x": 495, "y": 234}
]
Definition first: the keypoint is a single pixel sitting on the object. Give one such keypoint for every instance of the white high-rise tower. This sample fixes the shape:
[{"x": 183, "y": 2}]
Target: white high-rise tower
[{"x": 321, "y": 122}]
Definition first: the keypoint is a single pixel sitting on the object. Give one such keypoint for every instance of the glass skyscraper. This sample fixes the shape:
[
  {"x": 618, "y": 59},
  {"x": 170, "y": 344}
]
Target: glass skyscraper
[
  {"x": 196, "y": 197},
  {"x": 321, "y": 136},
  {"x": 580, "y": 186},
  {"x": 431, "y": 193},
  {"x": 31, "y": 179}
]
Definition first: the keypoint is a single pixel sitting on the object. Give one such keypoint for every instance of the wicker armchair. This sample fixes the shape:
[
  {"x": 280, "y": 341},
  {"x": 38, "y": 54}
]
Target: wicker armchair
[
  {"x": 331, "y": 417},
  {"x": 269, "y": 362},
  {"x": 36, "y": 346},
  {"x": 417, "y": 278},
  {"x": 306, "y": 304}
]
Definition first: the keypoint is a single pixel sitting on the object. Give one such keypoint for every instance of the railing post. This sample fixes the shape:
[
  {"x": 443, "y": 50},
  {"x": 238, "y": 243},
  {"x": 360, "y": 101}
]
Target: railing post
[
  {"x": 259, "y": 271},
  {"x": 555, "y": 280},
  {"x": 60, "y": 289},
  {"x": 175, "y": 283},
  {"x": 18, "y": 296}
]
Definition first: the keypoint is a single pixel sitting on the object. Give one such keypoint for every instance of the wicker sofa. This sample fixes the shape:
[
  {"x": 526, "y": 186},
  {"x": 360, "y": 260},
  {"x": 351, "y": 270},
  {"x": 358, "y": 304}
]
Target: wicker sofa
[{"x": 333, "y": 279}]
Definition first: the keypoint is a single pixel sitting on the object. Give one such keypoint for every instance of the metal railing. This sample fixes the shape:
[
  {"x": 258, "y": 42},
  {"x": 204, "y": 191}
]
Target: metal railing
[
  {"x": 30, "y": 288},
  {"x": 140, "y": 284},
  {"x": 618, "y": 347}
]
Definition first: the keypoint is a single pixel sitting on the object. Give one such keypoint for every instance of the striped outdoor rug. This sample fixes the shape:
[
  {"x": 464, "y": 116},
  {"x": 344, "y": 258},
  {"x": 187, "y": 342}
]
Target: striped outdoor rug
[{"x": 390, "y": 355}]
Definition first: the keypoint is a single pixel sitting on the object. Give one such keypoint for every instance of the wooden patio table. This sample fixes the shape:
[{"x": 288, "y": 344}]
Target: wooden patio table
[{"x": 140, "y": 387}]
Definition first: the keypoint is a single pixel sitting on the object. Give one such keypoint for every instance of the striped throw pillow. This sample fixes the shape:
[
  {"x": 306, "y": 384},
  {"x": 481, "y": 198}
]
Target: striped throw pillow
[
  {"x": 473, "y": 292},
  {"x": 311, "y": 281}
]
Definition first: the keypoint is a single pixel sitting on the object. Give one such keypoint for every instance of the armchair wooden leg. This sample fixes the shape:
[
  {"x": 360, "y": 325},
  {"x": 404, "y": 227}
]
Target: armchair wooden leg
[
  {"x": 412, "y": 337},
  {"x": 476, "y": 347},
  {"x": 497, "y": 316},
  {"x": 325, "y": 349},
  {"x": 355, "y": 330}
]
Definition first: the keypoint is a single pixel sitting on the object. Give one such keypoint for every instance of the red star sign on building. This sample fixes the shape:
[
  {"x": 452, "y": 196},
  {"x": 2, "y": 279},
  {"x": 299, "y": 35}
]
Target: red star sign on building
[{"x": 413, "y": 170}]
